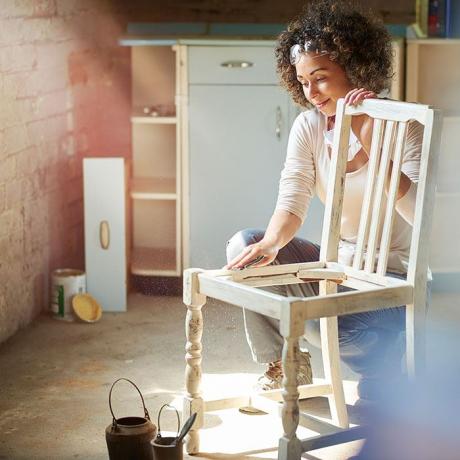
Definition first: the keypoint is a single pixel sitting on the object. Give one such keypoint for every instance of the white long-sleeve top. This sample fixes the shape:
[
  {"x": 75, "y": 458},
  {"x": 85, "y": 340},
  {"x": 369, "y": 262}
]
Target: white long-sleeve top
[{"x": 306, "y": 172}]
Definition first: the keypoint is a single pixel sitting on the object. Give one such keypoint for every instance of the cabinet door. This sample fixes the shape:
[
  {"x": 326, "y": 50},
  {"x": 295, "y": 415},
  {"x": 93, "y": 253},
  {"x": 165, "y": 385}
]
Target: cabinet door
[
  {"x": 105, "y": 232},
  {"x": 238, "y": 139}
]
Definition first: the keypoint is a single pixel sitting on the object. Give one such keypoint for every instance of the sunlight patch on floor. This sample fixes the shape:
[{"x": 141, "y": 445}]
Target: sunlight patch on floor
[{"x": 232, "y": 434}]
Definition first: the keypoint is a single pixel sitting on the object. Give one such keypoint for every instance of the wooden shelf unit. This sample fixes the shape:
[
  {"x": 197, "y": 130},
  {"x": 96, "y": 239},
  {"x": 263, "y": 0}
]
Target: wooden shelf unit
[{"x": 156, "y": 181}]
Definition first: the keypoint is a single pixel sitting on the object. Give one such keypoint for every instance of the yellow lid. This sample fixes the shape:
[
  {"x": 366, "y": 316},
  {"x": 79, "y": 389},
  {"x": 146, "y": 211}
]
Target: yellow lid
[{"x": 86, "y": 308}]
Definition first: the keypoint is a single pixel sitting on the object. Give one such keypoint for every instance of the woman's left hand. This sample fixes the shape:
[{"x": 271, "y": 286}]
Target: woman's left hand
[{"x": 357, "y": 95}]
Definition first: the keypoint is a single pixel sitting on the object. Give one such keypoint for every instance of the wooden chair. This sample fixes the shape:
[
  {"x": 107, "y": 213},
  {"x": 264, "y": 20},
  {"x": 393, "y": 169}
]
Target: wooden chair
[{"x": 372, "y": 289}]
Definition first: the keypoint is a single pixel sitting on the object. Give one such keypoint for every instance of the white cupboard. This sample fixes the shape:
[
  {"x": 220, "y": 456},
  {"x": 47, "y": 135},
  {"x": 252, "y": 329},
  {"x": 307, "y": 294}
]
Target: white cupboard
[
  {"x": 104, "y": 189},
  {"x": 239, "y": 122}
]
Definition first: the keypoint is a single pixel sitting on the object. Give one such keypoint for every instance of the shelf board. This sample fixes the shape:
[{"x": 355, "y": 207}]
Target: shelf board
[
  {"x": 158, "y": 188},
  {"x": 154, "y": 262},
  {"x": 141, "y": 119}
]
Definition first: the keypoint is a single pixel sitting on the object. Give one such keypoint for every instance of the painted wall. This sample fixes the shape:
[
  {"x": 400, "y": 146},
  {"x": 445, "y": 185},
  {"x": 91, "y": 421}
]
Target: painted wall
[{"x": 64, "y": 94}]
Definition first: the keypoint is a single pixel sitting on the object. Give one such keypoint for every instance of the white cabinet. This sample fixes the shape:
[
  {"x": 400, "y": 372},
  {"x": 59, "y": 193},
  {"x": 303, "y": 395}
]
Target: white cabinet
[
  {"x": 239, "y": 122},
  {"x": 433, "y": 76},
  {"x": 104, "y": 184}
]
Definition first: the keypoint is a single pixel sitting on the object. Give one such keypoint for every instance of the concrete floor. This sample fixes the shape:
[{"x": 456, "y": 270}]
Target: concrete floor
[{"x": 56, "y": 377}]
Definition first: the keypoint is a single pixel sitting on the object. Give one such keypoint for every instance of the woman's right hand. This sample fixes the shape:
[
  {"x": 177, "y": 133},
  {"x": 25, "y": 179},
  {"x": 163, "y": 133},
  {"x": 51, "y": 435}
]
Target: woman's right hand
[{"x": 263, "y": 249}]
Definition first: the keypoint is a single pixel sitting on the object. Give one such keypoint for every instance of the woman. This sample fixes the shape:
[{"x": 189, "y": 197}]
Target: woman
[{"x": 331, "y": 51}]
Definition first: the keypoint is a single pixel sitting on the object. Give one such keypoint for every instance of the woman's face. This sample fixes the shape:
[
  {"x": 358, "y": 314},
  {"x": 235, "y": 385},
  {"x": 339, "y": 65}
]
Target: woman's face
[{"x": 324, "y": 81}]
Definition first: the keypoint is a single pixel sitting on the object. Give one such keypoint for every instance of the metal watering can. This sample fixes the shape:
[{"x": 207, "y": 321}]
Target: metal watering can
[{"x": 128, "y": 438}]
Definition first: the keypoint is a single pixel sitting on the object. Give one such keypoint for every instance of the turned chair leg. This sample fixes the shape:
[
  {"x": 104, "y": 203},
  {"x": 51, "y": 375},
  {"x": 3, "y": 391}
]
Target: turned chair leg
[
  {"x": 193, "y": 402},
  {"x": 291, "y": 328},
  {"x": 289, "y": 445}
]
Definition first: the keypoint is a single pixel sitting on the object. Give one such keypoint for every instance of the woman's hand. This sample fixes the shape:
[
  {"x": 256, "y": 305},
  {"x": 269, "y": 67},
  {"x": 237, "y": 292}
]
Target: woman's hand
[
  {"x": 358, "y": 95},
  {"x": 263, "y": 249}
]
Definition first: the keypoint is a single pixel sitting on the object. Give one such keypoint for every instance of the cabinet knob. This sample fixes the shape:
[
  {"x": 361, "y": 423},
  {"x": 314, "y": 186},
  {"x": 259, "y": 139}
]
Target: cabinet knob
[
  {"x": 237, "y": 64},
  {"x": 104, "y": 234}
]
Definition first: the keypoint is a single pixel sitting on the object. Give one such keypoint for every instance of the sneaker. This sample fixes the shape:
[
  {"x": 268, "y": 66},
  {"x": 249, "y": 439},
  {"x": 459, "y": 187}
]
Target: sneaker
[
  {"x": 305, "y": 375},
  {"x": 272, "y": 379}
]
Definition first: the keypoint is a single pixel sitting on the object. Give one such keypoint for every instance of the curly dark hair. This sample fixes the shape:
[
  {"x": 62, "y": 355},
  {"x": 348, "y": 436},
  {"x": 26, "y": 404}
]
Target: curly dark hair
[{"x": 360, "y": 44}]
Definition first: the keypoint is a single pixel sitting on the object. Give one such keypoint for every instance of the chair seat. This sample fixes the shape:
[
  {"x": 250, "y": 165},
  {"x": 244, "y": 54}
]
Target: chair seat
[{"x": 371, "y": 291}]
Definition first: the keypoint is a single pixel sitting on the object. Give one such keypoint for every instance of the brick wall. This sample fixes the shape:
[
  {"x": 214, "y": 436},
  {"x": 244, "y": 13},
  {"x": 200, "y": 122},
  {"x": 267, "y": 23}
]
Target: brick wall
[{"x": 64, "y": 94}]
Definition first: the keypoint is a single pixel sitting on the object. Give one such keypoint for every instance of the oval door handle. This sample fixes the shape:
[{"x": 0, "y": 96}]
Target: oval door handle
[
  {"x": 104, "y": 234},
  {"x": 237, "y": 64}
]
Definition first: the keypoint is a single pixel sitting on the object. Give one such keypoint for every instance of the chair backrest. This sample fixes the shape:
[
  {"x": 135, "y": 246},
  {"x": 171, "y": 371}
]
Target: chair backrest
[{"x": 390, "y": 127}]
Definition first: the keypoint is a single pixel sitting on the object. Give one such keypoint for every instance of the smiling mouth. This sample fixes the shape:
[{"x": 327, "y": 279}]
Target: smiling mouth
[{"x": 322, "y": 104}]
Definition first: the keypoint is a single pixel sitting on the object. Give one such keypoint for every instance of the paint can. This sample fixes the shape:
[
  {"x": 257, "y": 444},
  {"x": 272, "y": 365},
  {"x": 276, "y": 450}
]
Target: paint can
[{"x": 65, "y": 283}]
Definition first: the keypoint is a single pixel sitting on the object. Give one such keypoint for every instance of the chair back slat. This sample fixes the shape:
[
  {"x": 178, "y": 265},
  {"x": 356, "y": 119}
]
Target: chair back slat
[
  {"x": 379, "y": 198},
  {"x": 392, "y": 196},
  {"x": 336, "y": 184},
  {"x": 374, "y": 160}
]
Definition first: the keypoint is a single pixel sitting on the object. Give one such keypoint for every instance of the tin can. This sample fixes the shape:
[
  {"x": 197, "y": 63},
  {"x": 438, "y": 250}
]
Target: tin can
[{"x": 65, "y": 283}]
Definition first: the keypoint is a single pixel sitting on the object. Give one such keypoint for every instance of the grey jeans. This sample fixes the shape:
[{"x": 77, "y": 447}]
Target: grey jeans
[{"x": 371, "y": 344}]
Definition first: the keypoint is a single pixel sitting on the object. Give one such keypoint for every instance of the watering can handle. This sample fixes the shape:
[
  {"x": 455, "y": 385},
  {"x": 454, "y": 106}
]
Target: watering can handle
[
  {"x": 146, "y": 413},
  {"x": 159, "y": 416}
]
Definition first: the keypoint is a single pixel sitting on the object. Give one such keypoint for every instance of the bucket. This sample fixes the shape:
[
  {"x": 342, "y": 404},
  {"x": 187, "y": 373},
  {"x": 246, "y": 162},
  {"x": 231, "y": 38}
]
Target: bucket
[
  {"x": 128, "y": 438},
  {"x": 165, "y": 447},
  {"x": 65, "y": 283}
]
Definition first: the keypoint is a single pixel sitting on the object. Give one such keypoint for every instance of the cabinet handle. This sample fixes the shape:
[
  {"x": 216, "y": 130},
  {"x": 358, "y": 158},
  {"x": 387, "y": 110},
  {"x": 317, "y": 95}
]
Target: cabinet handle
[
  {"x": 278, "y": 122},
  {"x": 237, "y": 64},
  {"x": 104, "y": 234}
]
